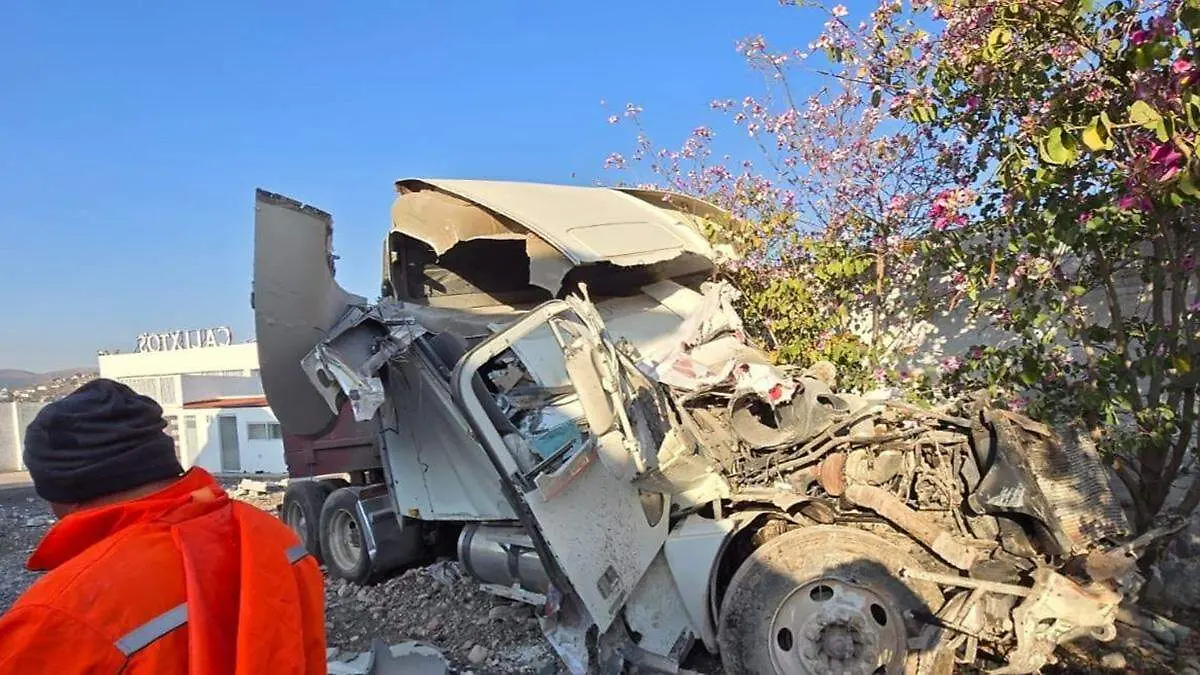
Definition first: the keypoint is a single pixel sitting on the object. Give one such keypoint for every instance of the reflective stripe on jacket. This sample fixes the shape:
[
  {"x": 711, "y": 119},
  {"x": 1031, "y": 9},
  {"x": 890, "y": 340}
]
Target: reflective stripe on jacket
[{"x": 184, "y": 581}]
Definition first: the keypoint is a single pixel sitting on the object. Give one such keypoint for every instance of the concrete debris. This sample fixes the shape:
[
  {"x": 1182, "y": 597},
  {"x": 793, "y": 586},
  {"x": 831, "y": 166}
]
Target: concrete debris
[
  {"x": 406, "y": 658},
  {"x": 39, "y": 521},
  {"x": 252, "y": 486},
  {"x": 478, "y": 654}
]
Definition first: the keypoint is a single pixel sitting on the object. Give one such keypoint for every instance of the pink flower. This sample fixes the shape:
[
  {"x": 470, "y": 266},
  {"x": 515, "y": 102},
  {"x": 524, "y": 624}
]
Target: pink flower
[
  {"x": 1139, "y": 37},
  {"x": 951, "y": 364},
  {"x": 1182, "y": 66},
  {"x": 1084, "y": 217},
  {"x": 613, "y": 119},
  {"x": 1165, "y": 161},
  {"x": 975, "y": 352},
  {"x": 839, "y": 10},
  {"x": 972, "y": 102},
  {"x": 1017, "y": 404},
  {"x": 1131, "y": 202}
]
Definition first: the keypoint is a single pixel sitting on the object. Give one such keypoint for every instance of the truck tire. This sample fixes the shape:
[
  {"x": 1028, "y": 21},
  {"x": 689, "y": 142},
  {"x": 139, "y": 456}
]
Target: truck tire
[
  {"x": 301, "y": 511},
  {"x": 343, "y": 545}
]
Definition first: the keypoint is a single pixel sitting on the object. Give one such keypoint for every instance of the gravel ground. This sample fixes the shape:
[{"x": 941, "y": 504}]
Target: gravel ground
[{"x": 476, "y": 631}]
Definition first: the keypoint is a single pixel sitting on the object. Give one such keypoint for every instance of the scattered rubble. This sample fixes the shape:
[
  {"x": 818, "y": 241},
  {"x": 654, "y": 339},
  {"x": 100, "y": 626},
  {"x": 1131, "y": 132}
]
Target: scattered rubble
[{"x": 435, "y": 610}]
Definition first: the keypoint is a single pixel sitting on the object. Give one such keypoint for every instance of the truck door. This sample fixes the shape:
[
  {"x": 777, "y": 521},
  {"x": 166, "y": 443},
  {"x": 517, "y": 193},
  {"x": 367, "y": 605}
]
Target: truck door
[{"x": 596, "y": 532}]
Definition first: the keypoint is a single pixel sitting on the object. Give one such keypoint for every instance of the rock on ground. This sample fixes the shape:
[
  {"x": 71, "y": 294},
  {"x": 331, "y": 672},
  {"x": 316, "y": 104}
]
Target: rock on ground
[{"x": 476, "y": 632}]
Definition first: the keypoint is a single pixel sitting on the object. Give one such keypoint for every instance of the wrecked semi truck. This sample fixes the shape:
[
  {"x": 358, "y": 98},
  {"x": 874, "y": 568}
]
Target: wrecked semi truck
[{"x": 551, "y": 389}]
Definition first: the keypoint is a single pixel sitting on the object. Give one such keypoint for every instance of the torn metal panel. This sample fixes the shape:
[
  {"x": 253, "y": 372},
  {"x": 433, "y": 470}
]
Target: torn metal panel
[
  {"x": 443, "y": 220},
  {"x": 585, "y": 224},
  {"x": 296, "y": 301},
  {"x": 362, "y": 342}
]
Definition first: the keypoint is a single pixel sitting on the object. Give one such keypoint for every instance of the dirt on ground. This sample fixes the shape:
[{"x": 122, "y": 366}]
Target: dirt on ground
[{"x": 477, "y": 632}]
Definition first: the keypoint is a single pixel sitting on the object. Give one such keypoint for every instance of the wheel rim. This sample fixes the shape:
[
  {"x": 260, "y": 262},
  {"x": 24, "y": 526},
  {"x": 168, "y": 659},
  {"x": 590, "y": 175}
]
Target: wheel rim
[
  {"x": 293, "y": 515},
  {"x": 345, "y": 541},
  {"x": 831, "y": 626}
]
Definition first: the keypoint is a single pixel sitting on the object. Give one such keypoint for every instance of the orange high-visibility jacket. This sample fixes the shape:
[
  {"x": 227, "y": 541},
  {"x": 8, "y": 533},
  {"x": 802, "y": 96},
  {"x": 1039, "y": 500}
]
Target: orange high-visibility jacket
[{"x": 184, "y": 580}]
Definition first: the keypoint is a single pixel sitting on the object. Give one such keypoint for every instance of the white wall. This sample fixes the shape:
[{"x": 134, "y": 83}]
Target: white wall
[
  {"x": 10, "y": 441},
  {"x": 204, "y": 387},
  {"x": 14, "y": 418},
  {"x": 258, "y": 456},
  {"x": 240, "y": 357}
]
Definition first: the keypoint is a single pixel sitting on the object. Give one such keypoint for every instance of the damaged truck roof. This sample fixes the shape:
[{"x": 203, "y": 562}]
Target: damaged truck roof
[{"x": 563, "y": 226}]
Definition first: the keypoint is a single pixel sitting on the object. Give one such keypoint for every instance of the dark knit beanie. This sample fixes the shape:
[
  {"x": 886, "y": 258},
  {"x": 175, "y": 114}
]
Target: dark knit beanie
[{"x": 102, "y": 439}]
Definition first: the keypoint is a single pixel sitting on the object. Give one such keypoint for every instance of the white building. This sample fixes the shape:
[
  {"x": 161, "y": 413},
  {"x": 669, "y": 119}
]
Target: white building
[
  {"x": 14, "y": 418},
  {"x": 211, "y": 398}
]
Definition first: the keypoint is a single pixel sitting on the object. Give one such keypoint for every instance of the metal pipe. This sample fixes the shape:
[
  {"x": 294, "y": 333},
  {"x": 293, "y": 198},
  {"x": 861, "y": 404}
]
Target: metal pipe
[
  {"x": 921, "y": 528},
  {"x": 966, "y": 582}
]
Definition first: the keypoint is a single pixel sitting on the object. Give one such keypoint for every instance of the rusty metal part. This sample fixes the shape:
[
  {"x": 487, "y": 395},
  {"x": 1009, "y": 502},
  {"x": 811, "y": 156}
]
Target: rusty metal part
[
  {"x": 933, "y": 414},
  {"x": 1060, "y": 482},
  {"x": 1115, "y": 563},
  {"x": 964, "y": 582},
  {"x": 1058, "y": 610},
  {"x": 820, "y": 512},
  {"x": 928, "y": 533},
  {"x": 875, "y": 468},
  {"x": 833, "y": 474}
]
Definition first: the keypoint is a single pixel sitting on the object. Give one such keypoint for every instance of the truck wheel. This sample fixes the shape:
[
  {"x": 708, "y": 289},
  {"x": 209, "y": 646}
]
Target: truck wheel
[
  {"x": 826, "y": 599},
  {"x": 301, "y": 511},
  {"x": 342, "y": 541}
]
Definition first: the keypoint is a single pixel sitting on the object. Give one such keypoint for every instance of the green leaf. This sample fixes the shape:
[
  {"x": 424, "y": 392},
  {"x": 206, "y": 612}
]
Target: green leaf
[
  {"x": 1078, "y": 291},
  {"x": 1096, "y": 137},
  {"x": 1161, "y": 132},
  {"x": 1141, "y": 113},
  {"x": 1058, "y": 147},
  {"x": 1187, "y": 184},
  {"x": 876, "y": 97}
]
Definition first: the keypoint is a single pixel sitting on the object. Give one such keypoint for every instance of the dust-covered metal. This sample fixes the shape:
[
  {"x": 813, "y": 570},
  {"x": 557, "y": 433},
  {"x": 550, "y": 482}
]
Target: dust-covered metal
[{"x": 624, "y": 458}]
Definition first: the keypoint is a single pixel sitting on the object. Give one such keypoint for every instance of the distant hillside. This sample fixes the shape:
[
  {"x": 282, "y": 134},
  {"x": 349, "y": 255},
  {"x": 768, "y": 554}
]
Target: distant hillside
[{"x": 11, "y": 378}]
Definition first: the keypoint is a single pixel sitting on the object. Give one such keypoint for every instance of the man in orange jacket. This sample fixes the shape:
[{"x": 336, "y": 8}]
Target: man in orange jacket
[{"x": 153, "y": 570}]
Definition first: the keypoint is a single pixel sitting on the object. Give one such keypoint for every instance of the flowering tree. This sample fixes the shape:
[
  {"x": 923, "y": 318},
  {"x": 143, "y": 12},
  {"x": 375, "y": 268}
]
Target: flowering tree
[
  {"x": 1040, "y": 154},
  {"x": 828, "y": 212},
  {"x": 1082, "y": 124}
]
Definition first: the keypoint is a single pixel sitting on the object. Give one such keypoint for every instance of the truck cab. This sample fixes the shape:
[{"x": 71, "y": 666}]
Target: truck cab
[{"x": 553, "y": 388}]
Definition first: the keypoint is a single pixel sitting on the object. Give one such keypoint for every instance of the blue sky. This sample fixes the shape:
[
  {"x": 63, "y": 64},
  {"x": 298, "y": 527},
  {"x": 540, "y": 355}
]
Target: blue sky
[{"x": 132, "y": 135}]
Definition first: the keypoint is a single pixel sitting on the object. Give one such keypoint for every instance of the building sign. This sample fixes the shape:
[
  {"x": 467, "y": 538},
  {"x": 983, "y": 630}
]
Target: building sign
[{"x": 184, "y": 339}]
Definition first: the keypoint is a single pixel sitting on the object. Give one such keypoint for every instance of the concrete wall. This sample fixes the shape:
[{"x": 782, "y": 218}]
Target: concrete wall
[
  {"x": 14, "y": 418},
  {"x": 924, "y": 340},
  {"x": 10, "y": 442}
]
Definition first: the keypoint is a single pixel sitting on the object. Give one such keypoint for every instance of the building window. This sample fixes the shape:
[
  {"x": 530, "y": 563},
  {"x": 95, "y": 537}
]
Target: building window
[
  {"x": 263, "y": 431},
  {"x": 161, "y": 389}
]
